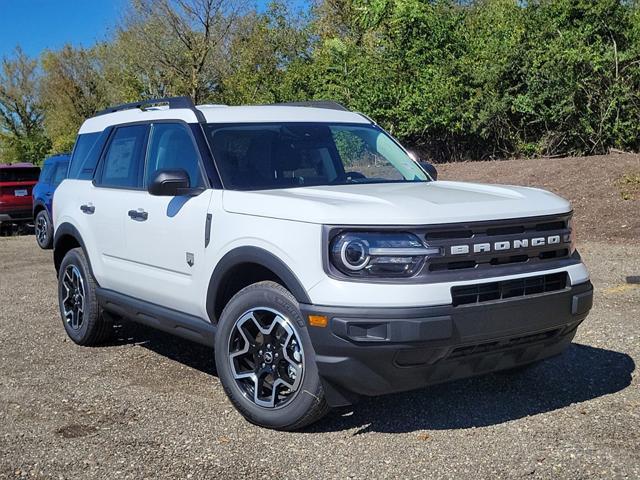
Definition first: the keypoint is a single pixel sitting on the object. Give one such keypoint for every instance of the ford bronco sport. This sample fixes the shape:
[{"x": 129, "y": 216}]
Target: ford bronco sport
[{"x": 306, "y": 246}]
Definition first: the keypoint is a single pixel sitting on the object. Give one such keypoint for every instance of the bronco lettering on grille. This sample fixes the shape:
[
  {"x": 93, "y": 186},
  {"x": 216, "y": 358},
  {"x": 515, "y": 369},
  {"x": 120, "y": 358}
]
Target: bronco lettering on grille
[{"x": 506, "y": 245}]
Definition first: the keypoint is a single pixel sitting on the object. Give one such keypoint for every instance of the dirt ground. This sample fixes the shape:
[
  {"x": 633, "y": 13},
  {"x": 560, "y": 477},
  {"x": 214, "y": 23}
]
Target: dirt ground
[{"x": 150, "y": 405}]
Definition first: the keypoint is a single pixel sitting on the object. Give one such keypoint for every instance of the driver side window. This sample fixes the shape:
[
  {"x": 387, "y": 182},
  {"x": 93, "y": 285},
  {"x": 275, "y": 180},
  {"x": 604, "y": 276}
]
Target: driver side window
[
  {"x": 360, "y": 156},
  {"x": 171, "y": 148}
]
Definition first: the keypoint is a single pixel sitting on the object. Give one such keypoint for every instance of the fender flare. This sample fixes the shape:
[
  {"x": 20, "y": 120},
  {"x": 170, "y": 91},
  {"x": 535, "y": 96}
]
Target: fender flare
[
  {"x": 260, "y": 256},
  {"x": 36, "y": 205},
  {"x": 67, "y": 229}
]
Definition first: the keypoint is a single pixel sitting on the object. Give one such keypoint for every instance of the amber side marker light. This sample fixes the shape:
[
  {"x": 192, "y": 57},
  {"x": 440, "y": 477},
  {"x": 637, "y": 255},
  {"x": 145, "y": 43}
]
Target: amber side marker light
[{"x": 318, "y": 321}]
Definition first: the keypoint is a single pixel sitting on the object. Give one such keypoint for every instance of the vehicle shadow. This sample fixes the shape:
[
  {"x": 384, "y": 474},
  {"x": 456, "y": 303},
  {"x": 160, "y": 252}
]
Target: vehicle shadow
[
  {"x": 581, "y": 373},
  {"x": 14, "y": 230},
  {"x": 188, "y": 353}
]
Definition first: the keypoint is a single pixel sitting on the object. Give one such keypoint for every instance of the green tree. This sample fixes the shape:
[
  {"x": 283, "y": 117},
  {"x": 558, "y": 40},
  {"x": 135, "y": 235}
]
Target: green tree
[
  {"x": 261, "y": 49},
  {"x": 73, "y": 88},
  {"x": 22, "y": 135},
  {"x": 173, "y": 47}
]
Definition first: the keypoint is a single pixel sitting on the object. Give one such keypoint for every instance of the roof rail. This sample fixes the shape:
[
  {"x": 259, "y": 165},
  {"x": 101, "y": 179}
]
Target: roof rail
[
  {"x": 172, "y": 102},
  {"x": 328, "y": 104}
]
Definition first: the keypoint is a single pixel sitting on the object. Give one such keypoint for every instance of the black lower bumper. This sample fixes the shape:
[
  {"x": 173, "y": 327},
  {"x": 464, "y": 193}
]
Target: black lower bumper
[
  {"x": 373, "y": 351},
  {"x": 16, "y": 216}
]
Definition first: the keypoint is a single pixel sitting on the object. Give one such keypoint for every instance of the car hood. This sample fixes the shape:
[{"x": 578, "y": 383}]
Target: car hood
[{"x": 396, "y": 203}]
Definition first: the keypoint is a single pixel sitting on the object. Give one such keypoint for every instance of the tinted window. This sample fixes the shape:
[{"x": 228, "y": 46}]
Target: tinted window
[
  {"x": 171, "y": 148},
  {"x": 60, "y": 173},
  {"x": 83, "y": 146},
  {"x": 17, "y": 174},
  {"x": 123, "y": 161},
  {"x": 45, "y": 174},
  {"x": 264, "y": 156}
]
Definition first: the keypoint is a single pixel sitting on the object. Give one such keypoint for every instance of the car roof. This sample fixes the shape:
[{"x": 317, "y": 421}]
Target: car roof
[
  {"x": 222, "y": 114},
  {"x": 61, "y": 157}
]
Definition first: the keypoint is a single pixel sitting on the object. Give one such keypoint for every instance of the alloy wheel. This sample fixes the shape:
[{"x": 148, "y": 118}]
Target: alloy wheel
[
  {"x": 41, "y": 229},
  {"x": 73, "y": 302},
  {"x": 266, "y": 357}
]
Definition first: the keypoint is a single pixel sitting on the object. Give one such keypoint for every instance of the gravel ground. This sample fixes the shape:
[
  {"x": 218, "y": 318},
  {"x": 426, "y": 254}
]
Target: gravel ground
[{"x": 150, "y": 405}]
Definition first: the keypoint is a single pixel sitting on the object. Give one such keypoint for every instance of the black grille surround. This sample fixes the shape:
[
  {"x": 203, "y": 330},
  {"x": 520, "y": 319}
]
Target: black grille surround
[
  {"x": 520, "y": 287},
  {"x": 477, "y": 250},
  {"x": 485, "y": 245}
]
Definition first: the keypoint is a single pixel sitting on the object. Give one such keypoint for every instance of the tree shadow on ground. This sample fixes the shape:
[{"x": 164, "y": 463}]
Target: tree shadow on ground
[{"x": 581, "y": 373}]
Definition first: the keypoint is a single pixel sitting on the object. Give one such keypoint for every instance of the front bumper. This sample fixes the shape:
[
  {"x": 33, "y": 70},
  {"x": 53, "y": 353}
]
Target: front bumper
[{"x": 376, "y": 351}]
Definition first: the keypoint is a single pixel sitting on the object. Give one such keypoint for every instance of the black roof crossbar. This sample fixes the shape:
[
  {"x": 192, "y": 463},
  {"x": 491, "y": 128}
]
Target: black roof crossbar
[
  {"x": 172, "y": 102},
  {"x": 328, "y": 104}
]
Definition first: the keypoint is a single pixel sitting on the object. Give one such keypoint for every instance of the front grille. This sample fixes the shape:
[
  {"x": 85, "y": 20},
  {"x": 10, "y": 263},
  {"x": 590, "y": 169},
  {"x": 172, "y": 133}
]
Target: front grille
[
  {"x": 490, "y": 347},
  {"x": 487, "y": 292},
  {"x": 485, "y": 245}
]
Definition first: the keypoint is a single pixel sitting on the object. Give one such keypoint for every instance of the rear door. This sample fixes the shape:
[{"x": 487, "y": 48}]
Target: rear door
[
  {"x": 165, "y": 236},
  {"x": 117, "y": 185}
]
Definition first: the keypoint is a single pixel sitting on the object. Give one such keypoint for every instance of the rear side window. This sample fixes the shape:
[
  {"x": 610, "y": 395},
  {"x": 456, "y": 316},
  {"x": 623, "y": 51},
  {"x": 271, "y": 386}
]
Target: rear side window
[
  {"x": 45, "y": 174},
  {"x": 59, "y": 174},
  {"x": 171, "y": 148},
  {"x": 83, "y": 146},
  {"x": 17, "y": 174},
  {"x": 123, "y": 161}
]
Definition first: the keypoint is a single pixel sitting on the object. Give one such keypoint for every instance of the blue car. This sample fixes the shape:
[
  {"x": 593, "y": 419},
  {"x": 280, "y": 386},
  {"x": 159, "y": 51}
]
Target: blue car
[{"x": 54, "y": 170}]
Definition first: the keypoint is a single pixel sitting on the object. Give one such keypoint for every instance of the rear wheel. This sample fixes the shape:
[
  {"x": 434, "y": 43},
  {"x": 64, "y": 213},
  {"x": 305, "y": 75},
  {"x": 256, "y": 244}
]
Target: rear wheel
[
  {"x": 265, "y": 359},
  {"x": 79, "y": 308},
  {"x": 44, "y": 230}
]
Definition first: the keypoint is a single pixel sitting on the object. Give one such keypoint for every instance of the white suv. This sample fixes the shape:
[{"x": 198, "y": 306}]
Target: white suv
[{"x": 306, "y": 246}]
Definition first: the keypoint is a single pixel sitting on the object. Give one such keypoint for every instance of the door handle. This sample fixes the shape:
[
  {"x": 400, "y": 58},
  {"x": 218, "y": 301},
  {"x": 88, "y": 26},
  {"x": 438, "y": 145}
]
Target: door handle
[
  {"x": 89, "y": 209},
  {"x": 138, "y": 215}
]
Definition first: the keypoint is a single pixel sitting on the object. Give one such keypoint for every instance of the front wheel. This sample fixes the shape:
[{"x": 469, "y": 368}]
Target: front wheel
[{"x": 265, "y": 359}]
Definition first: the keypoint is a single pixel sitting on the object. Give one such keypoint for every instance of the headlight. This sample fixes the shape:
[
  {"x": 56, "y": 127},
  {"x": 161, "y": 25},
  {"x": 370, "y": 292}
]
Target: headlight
[{"x": 378, "y": 254}]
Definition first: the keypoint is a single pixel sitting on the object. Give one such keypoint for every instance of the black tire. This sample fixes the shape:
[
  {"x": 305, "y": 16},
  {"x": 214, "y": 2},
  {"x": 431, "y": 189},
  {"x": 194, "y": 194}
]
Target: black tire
[
  {"x": 43, "y": 230},
  {"x": 307, "y": 403},
  {"x": 90, "y": 328}
]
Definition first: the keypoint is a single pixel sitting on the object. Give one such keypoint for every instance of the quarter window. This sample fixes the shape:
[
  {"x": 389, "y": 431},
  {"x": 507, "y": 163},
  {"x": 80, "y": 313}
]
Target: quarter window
[
  {"x": 60, "y": 173},
  {"x": 45, "y": 174},
  {"x": 80, "y": 155},
  {"x": 123, "y": 162}
]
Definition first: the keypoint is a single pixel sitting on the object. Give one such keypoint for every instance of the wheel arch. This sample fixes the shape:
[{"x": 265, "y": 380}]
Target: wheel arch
[
  {"x": 38, "y": 206},
  {"x": 65, "y": 238},
  {"x": 243, "y": 266}
]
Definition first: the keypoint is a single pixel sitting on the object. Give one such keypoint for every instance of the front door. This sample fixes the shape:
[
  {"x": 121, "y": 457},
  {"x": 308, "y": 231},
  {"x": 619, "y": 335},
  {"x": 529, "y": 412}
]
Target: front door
[{"x": 165, "y": 236}]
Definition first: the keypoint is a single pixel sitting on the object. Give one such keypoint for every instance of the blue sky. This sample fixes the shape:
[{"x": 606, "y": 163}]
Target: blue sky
[{"x": 48, "y": 24}]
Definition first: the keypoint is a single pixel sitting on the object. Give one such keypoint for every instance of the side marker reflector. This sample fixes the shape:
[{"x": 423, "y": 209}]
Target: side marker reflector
[{"x": 318, "y": 321}]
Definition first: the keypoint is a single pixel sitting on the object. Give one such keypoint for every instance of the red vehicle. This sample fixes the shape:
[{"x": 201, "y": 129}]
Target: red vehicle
[{"x": 16, "y": 183}]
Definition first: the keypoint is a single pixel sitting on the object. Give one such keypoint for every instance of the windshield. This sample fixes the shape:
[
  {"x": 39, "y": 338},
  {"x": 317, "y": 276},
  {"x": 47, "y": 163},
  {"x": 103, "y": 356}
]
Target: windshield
[{"x": 268, "y": 156}]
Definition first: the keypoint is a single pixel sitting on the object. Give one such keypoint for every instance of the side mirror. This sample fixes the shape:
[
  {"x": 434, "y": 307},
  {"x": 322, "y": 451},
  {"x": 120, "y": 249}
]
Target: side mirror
[
  {"x": 431, "y": 169},
  {"x": 169, "y": 183}
]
